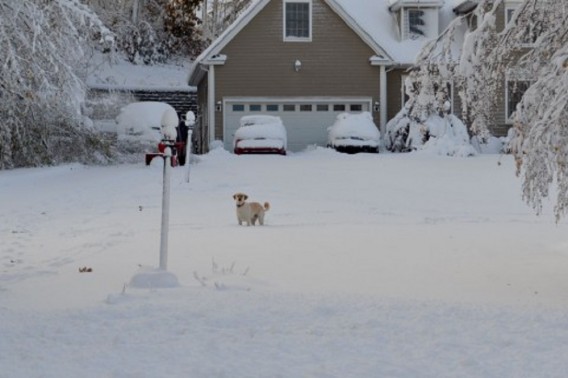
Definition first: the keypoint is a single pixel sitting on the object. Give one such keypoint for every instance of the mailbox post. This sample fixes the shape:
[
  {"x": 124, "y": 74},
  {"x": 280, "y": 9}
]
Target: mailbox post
[
  {"x": 168, "y": 129},
  {"x": 167, "y": 155}
]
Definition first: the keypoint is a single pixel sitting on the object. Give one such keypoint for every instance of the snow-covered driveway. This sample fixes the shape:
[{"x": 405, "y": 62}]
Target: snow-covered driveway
[{"x": 407, "y": 265}]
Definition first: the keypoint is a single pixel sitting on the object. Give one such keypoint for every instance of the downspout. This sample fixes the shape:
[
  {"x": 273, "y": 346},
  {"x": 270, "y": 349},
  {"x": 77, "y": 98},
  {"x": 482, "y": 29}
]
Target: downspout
[
  {"x": 211, "y": 102},
  {"x": 383, "y": 99}
]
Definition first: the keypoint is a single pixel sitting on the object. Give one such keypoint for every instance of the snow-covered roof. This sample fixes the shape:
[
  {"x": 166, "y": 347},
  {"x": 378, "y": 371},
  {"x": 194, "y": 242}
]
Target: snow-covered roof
[
  {"x": 375, "y": 17},
  {"x": 119, "y": 74},
  {"x": 370, "y": 19}
]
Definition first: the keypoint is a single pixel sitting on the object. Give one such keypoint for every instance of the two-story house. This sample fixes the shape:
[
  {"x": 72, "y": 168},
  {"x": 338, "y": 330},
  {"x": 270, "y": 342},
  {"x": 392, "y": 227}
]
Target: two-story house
[{"x": 309, "y": 60}]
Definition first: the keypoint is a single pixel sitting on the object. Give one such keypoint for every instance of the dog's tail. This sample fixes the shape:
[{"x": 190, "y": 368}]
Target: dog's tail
[{"x": 266, "y": 206}]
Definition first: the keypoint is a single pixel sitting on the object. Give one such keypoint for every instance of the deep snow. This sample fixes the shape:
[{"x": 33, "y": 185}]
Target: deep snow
[{"x": 388, "y": 265}]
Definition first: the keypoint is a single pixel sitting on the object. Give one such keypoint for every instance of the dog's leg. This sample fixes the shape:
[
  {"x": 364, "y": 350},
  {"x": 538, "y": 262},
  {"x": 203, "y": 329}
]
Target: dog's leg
[{"x": 261, "y": 219}]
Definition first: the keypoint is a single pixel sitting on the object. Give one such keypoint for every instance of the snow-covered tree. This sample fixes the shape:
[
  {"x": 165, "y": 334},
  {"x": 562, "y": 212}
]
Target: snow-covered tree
[
  {"x": 181, "y": 24},
  {"x": 41, "y": 88},
  {"x": 540, "y": 144},
  {"x": 533, "y": 44},
  {"x": 152, "y": 31},
  {"x": 220, "y": 14}
]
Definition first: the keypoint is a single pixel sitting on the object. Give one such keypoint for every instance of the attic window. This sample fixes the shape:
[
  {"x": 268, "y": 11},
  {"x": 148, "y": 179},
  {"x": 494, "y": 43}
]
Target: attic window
[
  {"x": 297, "y": 20},
  {"x": 415, "y": 23}
]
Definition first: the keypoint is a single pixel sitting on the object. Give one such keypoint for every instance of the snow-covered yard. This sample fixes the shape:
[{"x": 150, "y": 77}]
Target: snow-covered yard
[{"x": 369, "y": 265}]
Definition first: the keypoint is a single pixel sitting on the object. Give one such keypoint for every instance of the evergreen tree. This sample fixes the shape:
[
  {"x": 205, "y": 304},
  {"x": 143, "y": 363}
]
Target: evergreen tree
[{"x": 181, "y": 24}]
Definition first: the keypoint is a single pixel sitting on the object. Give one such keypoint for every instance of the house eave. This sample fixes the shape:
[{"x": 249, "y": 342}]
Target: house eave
[
  {"x": 465, "y": 7},
  {"x": 199, "y": 68},
  {"x": 376, "y": 60},
  {"x": 398, "y": 4}
]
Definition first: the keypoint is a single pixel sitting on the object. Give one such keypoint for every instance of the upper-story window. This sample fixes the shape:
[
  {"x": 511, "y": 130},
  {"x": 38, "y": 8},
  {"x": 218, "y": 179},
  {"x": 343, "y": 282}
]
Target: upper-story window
[
  {"x": 530, "y": 34},
  {"x": 297, "y": 20},
  {"x": 415, "y": 22}
]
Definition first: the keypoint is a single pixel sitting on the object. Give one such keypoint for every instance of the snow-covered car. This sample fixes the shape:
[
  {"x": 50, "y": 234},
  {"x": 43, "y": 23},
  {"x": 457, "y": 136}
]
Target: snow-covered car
[
  {"x": 352, "y": 133},
  {"x": 260, "y": 134},
  {"x": 142, "y": 123}
]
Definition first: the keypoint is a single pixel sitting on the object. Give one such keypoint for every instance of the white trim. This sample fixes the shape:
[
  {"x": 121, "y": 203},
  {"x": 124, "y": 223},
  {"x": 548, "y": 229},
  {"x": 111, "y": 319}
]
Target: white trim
[
  {"x": 383, "y": 100},
  {"x": 211, "y": 102},
  {"x": 217, "y": 60},
  {"x": 398, "y": 4},
  {"x": 299, "y": 99},
  {"x": 296, "y": 39}
]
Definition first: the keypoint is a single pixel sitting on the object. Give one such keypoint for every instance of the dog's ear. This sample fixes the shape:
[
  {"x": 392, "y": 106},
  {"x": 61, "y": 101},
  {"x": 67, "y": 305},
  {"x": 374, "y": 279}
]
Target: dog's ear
[
  {"x": 234, "y": 196},
  {"x": 245, "y": 196}
]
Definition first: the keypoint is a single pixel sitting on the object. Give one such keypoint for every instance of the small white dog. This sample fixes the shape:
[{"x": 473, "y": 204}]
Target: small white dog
[{"x": 249, "y": 212}]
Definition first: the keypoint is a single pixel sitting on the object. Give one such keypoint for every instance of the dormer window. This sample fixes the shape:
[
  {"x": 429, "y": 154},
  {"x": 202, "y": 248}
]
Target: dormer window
[
  {"x": 297, "y": 20},
  {"x": 417, "y": 18},
  {"x": 415, "y": 23}
]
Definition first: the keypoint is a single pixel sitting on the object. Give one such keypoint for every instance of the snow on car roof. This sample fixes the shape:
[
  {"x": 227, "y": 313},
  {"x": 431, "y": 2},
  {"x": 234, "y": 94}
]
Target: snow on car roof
[{"x": 261, "y": 127}]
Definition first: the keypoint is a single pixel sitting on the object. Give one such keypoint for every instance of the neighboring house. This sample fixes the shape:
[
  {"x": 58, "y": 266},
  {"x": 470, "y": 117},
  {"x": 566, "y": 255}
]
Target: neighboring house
[
  {"x": 515, "y": 82},
  {"x": 309, "y": 60}
]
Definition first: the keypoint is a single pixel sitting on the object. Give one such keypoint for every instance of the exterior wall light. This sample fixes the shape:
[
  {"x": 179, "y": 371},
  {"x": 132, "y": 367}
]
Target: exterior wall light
[
  {"x": 297, "y": 65},
  {"x": 377, "y": 107}
]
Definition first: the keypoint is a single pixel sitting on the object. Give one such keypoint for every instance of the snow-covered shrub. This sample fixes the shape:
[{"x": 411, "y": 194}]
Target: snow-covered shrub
[
  {"x": 493, "y": 144},
  {"x": 444, "y": 135}
]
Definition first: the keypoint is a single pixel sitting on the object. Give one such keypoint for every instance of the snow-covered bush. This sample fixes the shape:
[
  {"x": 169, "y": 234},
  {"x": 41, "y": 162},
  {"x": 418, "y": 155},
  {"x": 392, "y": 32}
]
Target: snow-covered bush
[{"x": 444, "y": 135}]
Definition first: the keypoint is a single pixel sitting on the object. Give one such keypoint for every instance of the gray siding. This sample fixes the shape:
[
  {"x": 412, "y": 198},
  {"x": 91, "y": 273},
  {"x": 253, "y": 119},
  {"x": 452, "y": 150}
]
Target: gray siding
[
  {"x": 260, "y": 63},
  {"x": 394, "y": 86}
]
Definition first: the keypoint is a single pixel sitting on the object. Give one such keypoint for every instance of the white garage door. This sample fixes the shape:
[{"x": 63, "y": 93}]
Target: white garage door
[{"x": 306, "y": 120}]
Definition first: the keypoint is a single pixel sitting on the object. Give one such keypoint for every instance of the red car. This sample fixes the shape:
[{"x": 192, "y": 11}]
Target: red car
[{"x": 260, "y": 134}]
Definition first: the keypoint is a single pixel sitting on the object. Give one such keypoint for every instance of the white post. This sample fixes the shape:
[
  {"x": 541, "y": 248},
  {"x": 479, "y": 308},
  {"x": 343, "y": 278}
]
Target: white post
[
  {"x": 188, "y": 154},
  {"x": 383, "y": 100},
  {"x": 165, "y": 210},
  {"x": 211, "y": 101},
  {"x": 189, "y": 123}
]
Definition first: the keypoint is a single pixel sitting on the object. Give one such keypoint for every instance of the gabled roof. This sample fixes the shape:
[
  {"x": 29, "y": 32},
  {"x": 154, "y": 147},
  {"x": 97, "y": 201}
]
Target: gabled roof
[{"x": 371, "y": 20}]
